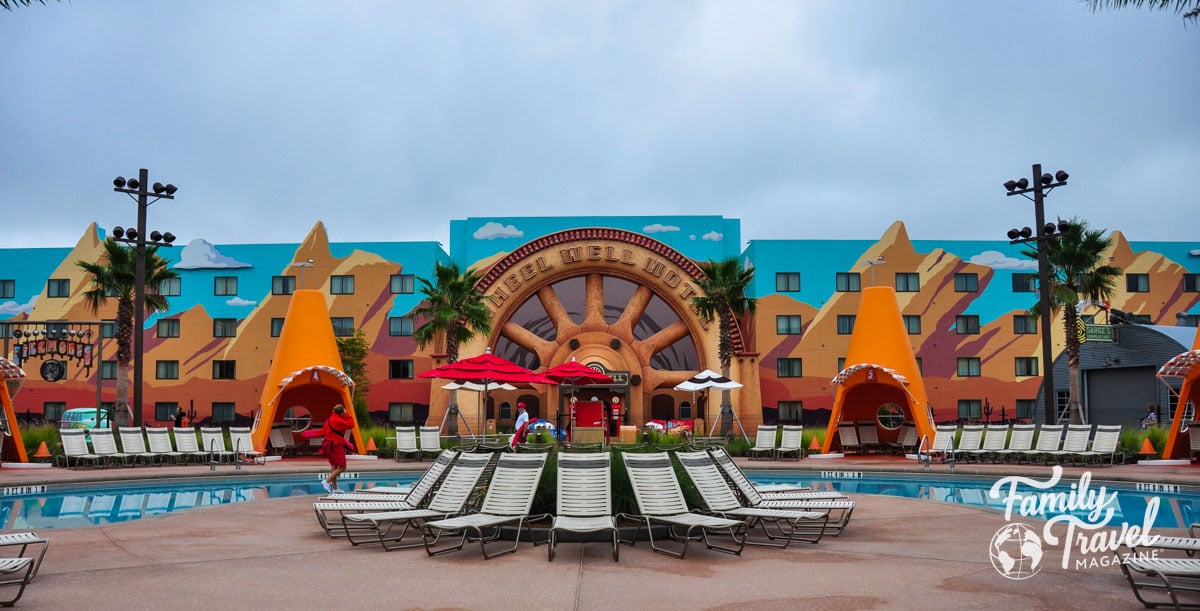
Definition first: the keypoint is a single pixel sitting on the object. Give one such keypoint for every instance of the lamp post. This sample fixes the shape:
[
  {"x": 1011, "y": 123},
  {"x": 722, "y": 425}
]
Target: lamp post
[
  {"x": 1042, "y": 185},
  {"x": 872, "y": 263},
  {"x": 303, "y": 265},
  {"x": 137, "y": 189}
]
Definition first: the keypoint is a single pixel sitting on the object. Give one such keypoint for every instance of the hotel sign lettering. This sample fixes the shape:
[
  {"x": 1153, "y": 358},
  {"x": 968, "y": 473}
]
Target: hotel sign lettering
[{"x": 615, "y": 255}]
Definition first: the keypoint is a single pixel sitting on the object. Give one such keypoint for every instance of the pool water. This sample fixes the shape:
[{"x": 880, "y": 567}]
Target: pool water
[{"x": 63, "y": 506}]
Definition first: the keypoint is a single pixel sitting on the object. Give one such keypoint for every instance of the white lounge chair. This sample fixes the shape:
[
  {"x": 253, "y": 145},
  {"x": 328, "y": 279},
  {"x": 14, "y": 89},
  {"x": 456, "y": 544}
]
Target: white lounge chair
[
  {"x": 942, "y": 444},
  {"x": 282, "y": 441},
  {"x": 829, "y": 502},
  {"x": 25, "y": 540},
  {"x": 15, "y": 572},
  {"x": 243, "y": 445},
  {"x": 1049, "y": 439},
  {"x": 105, "y": 445},
  {"x": 969, "y": 441},
  {"x": 508, "y": 500},
  {"x": 719, "y": 499},
  {"x": 406, "y": 443},
  {"x": 75, "y": 449},
  {"x": 660, "y": 501},
  {"x": 1104, "y": 444},
  {"x": 134, "y": 444},
  {"x": 868, "y": 436},
  {"x": 735, "y": 473},
  {"x": 1175, "y": 575},
  {"x": 764, "y": 442},
  {"x": 158, "y": 440},
  {"x": 995, "y": 438},
  {"x": 449, "y": 500},
  {"x": 1075, "y": 442},
  {"x": 413, "y": 495},
  {"x": 848, "y": 437},
  {"x": 791, "y": 442},
  {"x": 431, "y": 441},
  {"x": 212, "y": 439},
  {"x": 584, "y": 500},
  {"x": 1020, "y": 442},
  {"x": 185, "y": 442},
  {"x": 907, "y": 440}
]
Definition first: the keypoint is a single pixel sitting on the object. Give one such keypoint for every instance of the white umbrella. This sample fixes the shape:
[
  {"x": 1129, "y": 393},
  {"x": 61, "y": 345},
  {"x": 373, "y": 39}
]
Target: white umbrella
[
  {"x": 476, "y": 386},
  {"x": 707, "y": 379}
]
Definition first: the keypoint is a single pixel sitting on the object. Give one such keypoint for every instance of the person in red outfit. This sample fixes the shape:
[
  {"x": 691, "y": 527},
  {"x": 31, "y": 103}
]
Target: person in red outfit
[{"x": 335, "y": 445}]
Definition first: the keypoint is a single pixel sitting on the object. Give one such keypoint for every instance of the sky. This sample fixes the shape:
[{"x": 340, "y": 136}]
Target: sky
[{"x": 385, "y": 120}]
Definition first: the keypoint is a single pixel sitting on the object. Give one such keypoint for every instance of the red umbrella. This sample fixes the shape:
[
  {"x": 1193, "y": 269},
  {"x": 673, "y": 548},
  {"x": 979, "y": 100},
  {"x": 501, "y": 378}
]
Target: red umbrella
[
  {"x": 487, "y": 369},
  {"x": 575, "y": 373}
]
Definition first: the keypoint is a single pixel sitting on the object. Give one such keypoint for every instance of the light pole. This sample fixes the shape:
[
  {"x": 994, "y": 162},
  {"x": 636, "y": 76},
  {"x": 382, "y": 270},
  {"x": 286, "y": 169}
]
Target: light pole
[
  {"x": 303, "y": 265},
  {"x": 136, "y": 188},
  {"x": 1042, "y": 185},
  {"x": 873, "y": 262}
]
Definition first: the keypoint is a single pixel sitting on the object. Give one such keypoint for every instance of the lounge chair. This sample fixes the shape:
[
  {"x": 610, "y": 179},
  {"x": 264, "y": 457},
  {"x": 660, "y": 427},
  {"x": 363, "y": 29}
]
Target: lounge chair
[
  {"x": 848, "y": 437},
  {"x": 75, "y": 448},
  {"x": 212, "y": 439},
  {"x": 134, "y": 444},
  {"x": 159, "y": 441},
  {"x": 906, "y": 442},
  {"x": 804, "y": 501},
  {"x": 25, "y": 540},
  {"x": 942, "y": 444},
  {"x": 725, "y": 461},
  {"x": 1020, "y": 441},
  {"x": 720, "y": 500},
  {"x": 1193, "y": 443},
  {"x": 584, "y": 500},
  {"x": 281, "y": 440},
  {"x": 791, "y": 442},
  {"x": 15, "y": 572},
  {"x": 1075, "y": 442},
  {"x": 105, "y": 445},
  {"x": 969, "y": 441},
  {"x": 508, "y": 500},
  {"x": 449, "y": 500},
  {"x": 1104, "y": 443},
  {"x": 1175, "y": 575},
  {"x": 331, "y": 515},
  {"x": 413, "y": 495},
  {"x": 431, "y": 441},
  {"x": 185, "y": 441},
  {"x": 764, "y": 442},
  {"x": 660, "y": 501},
  {"x": 1049, "y": 439},
  {"x": 868, "y": 436},
  {"x": 243, "y": 445},
  {"x": 995, "y": 438},
  {"x": 406, "y": 443}
]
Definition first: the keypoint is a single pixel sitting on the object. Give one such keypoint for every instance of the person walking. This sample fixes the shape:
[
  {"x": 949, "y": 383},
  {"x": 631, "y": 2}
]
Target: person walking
[
  {"x": 1151, "y": 418},
  {"x": 335, "y": 445}
]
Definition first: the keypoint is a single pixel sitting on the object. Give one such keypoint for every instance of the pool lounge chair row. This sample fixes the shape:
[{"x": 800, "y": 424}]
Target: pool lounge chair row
[
  {"x": 1015, "y": 443},
  {"x": 153, "y": 446},
  {"x": 1148, "y": 569},
  {"x": 438, "y": 505},
  {"x": 791, "y": 442}
]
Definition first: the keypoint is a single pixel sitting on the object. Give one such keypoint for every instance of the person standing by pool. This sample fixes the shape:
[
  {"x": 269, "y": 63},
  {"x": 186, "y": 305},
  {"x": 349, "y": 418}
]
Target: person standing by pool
[
  {"x": 335, "y": 445},
  {"x": 1151, "y": 418},
  {"x": 180, "y": 417}
]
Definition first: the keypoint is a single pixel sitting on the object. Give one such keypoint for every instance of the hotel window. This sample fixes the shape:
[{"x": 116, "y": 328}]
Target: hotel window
[
  {"x": 789, "y": 368},
  {"x": 225, "y": 286},
  {"x": 845, "y": 324},
  {"x": 1027, "y": 365},
  {"x": 224, "y": 370},
  {"x": 968, "y": 367},
  {"x": 108, "y": 330},
  {"x": 108, "y": 370},
  {"x": 912, "y": 324},
  {"x": 400, "y": 369},
  {"x": 401, "y": 284},
  {"x": 1191, "y": 283},
  {"x": 1024, "y": 282},
  {"x": 52, "y": 411},
  {"x": 1025, "y": 408},
  {"x": 966, "y": 283},
  {"x": 276, "y": 327},
  {"x": 841, "y": 363},
  {"x": 166, "y": 370},
  {"x": 170, "y": 287},
  {"x": 283, "y": 285},
  {"x": 848, "y": 282},
  {"x": 167, "y": 327},
  {"x": 8, "y": 289},
  {"x": 787, "y": 282},
  {"x": 908, "y": 282},
  {"x": 685, "y": 409},
  {"x": 970, "y": 409},
  {"x": 400, "y": 325},
  {"x": 223, "y": 411},
  {"x": 787, "y": 324},
  {"x": 224, "y": 327},
  {"x": 505, "y": 411},
  {"x": 1024, "y": 324},
  {"x": 343, "y": 326},
  {"x": 966, "y": 324},
  {"x": 791, "y": 412},
  {"x": 341, "y": 285},
  {"x": 1137, "y": 283},
  {"x": 1189, "y": 320},
  {"x": 1142, "y": 319},
  {"x": 165, "y": 410},
  {"x": 401, "y": 413},
  {"x": 58, "y": 287}
]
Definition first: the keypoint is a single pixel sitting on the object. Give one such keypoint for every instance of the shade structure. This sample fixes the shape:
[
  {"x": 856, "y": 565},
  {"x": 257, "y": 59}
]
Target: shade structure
[
  {"x": 707, "y": 379},
  {"x": 575, "y": 373},
  {"x": 487, "y": 370},
  {"x": 12, "y": 375},
  {"x": 475, "y": 386}
]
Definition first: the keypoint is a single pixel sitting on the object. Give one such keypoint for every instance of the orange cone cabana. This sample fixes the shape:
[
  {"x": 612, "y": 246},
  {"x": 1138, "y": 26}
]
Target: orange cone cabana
[
  {"x": 14, "y": 446},
  {"x": 881, "y": 368},
  {"x": 307, "y": 369},
  {"x": 1186, "y": 366}
]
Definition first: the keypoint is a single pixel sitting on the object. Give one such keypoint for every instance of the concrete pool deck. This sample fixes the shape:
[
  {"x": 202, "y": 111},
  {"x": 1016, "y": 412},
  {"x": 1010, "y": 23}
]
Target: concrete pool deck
[{"x": 895, "y": 553}]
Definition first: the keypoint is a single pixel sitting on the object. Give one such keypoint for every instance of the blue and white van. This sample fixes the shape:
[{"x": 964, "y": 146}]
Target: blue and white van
[{"x": 83, "y": 418}]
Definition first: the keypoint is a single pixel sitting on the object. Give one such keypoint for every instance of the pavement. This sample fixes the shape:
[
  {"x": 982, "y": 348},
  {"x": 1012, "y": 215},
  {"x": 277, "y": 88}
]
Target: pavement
[{"x": 270, "y": 554}]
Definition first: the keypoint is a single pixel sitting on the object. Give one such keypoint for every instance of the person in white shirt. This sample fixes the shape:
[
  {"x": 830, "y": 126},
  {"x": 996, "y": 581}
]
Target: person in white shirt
[
  {"x": 1151, "y": 418},
  {"x": 522, "y": 416}
]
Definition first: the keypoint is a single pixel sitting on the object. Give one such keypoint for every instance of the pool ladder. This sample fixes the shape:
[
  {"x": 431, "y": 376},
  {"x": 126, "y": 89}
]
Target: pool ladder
[
  {"x": 925, "y": 458},
  {"x": 215, "y": 459}
]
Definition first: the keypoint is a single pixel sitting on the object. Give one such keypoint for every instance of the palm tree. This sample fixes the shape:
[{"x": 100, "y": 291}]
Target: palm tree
[
  {"x": 1078, "y": 271},
  {"x": 456, "y": 309},
  {"x": 724, "y": 297},
  {"x": 114, "y": 276},
  {"x": 1190, "y": 9}
]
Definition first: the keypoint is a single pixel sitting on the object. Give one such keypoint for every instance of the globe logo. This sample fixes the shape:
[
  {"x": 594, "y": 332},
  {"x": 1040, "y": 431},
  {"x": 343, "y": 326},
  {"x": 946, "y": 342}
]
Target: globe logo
[{"x": 1016, "y": 551}]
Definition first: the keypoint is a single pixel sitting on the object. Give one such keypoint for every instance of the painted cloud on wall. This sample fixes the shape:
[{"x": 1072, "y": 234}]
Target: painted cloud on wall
[
  {"x": 238, "y": 302},
  {"x": 12, "y": 308},
  {"x": 659, "y": 228},
  {"x": 998, "y": 260},
  {"x": 201, "y": 254},
  {"x": 712, "y": 236},
  {"x": 493, "y": 230}
]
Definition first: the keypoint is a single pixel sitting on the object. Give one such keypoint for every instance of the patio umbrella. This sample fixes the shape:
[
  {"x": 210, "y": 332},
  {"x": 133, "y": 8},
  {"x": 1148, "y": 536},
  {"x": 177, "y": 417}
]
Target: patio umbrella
[
  {"x": 576, "y": 374},
  {"x": 707, "y": 379},
  {"x": 486, "y": 369}
]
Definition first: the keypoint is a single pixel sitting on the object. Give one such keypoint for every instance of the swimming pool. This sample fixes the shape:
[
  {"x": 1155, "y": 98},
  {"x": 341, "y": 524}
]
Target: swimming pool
[
  {"x": 1179, "y": 505},
  {"x": 68, "y": 505}
]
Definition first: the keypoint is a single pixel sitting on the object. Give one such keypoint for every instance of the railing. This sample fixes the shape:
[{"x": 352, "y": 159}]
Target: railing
[
  {"x": 948, "y": 453},
  {"x": 923, "y": 455}
]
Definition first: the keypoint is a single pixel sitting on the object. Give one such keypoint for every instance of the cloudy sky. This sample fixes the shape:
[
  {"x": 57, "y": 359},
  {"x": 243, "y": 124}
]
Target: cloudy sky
[{"x": 385, "y": 120}]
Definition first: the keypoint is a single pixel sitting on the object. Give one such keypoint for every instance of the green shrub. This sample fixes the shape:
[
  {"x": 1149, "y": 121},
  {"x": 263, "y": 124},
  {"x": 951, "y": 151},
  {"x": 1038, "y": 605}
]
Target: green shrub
[
  {"x": 1132, "y": 439},
  {"x": 33, "y": 437}
]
